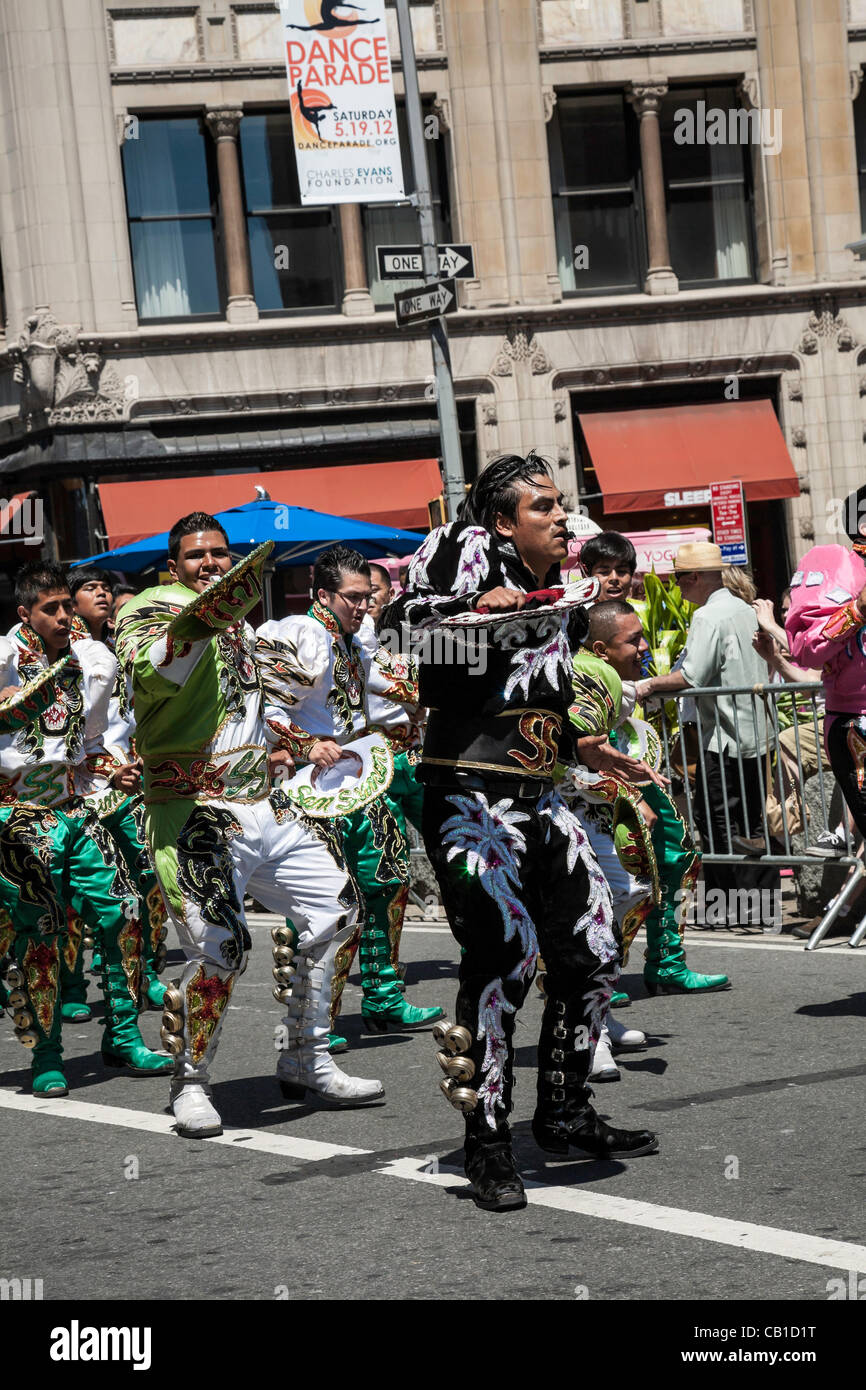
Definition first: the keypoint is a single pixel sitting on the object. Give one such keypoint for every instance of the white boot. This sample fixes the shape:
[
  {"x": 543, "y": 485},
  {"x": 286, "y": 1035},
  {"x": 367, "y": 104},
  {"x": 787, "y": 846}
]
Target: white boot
[
  {"x": 306, "y": 1068},
  {"x": 604, "y": 1068},
  {"x": 191, "y": 1107},
  {"x": 620, "y": 1036}
]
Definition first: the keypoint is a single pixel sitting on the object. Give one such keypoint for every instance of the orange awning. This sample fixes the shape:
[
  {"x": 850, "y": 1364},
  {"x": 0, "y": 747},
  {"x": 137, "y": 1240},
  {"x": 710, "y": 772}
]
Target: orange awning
[
  {"x": 651, "y": 459},
  {"x": 391, "y": 494}
]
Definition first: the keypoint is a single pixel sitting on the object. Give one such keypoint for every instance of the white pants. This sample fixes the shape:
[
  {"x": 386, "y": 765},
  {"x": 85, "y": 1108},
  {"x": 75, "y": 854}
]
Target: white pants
[{"x": 223, "y": 850}]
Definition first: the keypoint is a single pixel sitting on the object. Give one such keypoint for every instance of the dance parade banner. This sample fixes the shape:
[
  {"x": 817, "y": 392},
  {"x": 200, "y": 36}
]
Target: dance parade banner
[{"x": 344, "y": 115}]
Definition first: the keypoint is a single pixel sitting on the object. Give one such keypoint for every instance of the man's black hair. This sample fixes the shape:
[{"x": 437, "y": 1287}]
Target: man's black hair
[
  {"x": 87, "y": 574},
  {"x": 604, "y": 619},
  {"x": 333, "y": 564},
  {"x": 608, "y": 548},
  {"x": 39, "y": 577},
  {"x": 123, "y": 589},
  {"x": 496, "y": 490},
  {"x": 383, "y": 572},
  {"x": 190, "y": 526}
]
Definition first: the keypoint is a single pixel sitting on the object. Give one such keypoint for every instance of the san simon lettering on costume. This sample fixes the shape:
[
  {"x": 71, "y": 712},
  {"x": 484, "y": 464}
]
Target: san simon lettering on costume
[{"x": 344, "y": 115}]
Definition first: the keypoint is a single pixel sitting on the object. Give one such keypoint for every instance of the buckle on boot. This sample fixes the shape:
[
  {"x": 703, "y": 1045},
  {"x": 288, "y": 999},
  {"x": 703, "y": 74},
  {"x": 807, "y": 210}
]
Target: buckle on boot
[{"x": 556, "y": 1077}]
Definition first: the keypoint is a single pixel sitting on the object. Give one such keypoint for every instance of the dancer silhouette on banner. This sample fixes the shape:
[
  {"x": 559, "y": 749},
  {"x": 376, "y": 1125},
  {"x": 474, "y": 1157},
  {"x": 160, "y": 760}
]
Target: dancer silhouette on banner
[{"x": 330, "y": 20}]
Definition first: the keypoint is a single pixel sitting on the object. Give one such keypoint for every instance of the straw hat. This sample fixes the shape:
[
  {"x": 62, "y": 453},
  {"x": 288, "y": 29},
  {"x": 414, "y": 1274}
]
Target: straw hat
[{"x": 698, "y": 555}]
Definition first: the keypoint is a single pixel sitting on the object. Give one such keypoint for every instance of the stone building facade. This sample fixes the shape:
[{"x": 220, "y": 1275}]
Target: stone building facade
[{"x": 148, "y": 335}]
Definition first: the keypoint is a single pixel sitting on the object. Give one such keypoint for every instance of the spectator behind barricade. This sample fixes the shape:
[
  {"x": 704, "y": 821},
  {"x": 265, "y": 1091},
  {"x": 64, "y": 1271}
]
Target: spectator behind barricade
[
  {"x": 826, "y": 625},
  {"x": 771, "y": 643},
  {"x": 719, "y": 652},
  {"x": 739, "y": 582},
  {"x": 611, "y": 558}
]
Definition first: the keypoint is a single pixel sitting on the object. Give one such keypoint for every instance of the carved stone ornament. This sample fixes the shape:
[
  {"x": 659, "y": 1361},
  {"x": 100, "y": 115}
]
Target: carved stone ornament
[
  {"x": 798, "y": 438},
  {"x": 795, "y": 389},
  {"x": 442, "y": 110},
  {"x": 560, "y": 408},
  {"x": 827, "y": 324},
  {"x": 518, "y": 347},
  {"x": 749, "y": 90},
  {"x": 807, "y": 528},
  {"x": 63, "y": 384},
  {"x": 855, "y": 80},
  {"x": 548, "y": 101},
  {"x": 223, "y": 122},
  {"x": 490, "y": 415}
]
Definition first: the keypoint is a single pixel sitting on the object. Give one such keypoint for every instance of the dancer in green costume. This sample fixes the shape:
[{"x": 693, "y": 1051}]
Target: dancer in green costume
[{"x": 54, "y": 854}]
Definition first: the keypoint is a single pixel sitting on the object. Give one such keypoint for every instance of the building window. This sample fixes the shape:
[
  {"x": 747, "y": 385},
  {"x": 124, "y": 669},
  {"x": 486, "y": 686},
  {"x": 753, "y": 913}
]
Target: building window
[
  {"x": 294, "y": 250},
  {"x": 396, "y": 224},
  {"x": 171, "y": 205},
  {"x": 707, "y": 186},
  {"x": 595, "y": 175}
]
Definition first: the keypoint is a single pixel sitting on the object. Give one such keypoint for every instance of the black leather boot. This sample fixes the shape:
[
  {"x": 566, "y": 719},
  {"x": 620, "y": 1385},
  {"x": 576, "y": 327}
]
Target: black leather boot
[
  {"x": 490, "y": 1167},
  {"x": 565, "y": 1122}
]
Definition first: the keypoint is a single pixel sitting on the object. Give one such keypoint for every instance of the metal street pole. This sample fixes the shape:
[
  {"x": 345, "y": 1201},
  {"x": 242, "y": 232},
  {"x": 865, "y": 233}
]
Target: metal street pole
[{"x": 449, "y": 432}]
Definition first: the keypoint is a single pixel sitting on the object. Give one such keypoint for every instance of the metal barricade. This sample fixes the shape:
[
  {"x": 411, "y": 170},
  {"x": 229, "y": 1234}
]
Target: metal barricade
[{"x": 725, "y": 801}]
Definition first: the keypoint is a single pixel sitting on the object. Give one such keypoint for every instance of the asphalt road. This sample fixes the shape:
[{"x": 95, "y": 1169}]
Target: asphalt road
[{"x": 757, "y": 1095}]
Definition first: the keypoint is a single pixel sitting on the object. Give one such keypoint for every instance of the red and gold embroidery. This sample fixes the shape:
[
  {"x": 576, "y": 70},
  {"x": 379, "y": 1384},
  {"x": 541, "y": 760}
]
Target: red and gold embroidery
[
  {"x": 292, "y": 737},
  {"x": 843, "y": 622},
  {"x": 72, "y": 940},
  {"x": 541, "y": 732},
  {"x": 857, "y": 749},
  {"x": 156, "y": 915},
  {"x": 342, "y": 965},
  {"x": 129, "y": 942},
  {"x": 396, "y": 912},
  {"x": 41, "y": 966},
  {"x": 7, "y": 932},
  {"x": 206, "y": 999},
  {"x": 632, "y": 923}
]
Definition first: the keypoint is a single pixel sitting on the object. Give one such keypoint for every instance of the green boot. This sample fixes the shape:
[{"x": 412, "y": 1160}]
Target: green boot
[
  {"x": 382, "y": 1002},
  {"x": 666, "y": 970},
  {"x": 34, "y": 994},
  {"x": 337, "y": 1044},
  {"x": 74, "y": 1007},
  {"x": 619, "y": 1000},
  {"x": 123, "y": 1045}
]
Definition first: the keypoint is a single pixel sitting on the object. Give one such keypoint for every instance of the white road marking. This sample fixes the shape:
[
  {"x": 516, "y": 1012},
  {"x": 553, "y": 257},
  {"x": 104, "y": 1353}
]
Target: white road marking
[
  {"x": 311, "y": 1150},
  {"x": 699, "y": 940},
  {"x": 743, "y": 1235},
  {"x": 719, "y": 1230}
]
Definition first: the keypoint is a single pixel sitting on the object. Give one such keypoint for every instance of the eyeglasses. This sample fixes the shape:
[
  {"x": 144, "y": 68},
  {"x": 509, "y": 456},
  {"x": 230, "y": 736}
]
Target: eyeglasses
[{"x": 354, "y": 601}]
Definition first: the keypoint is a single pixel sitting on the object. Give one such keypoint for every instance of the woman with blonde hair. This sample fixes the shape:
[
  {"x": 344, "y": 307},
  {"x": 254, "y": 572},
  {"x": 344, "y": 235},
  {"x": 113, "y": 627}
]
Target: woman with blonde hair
[{"x": 740, "y": 583}]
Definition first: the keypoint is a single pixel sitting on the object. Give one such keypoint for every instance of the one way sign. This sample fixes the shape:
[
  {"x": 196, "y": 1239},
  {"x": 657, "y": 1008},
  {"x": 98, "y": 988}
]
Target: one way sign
[
  {"x": 416, "y": 306},
  {"x": 406, "y": 262}
]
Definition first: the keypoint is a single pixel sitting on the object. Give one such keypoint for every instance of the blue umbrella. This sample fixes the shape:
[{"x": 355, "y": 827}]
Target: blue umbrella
[{"x": 299, "y": 535}]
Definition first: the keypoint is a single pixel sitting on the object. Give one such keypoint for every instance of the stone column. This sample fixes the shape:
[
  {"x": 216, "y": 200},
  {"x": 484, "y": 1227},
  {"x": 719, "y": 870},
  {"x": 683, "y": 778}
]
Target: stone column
[
  {"x": 224, "y": 123},
  {"x": 357, "y": 299},
  {"x": 646, "y": 98},
  {"x": 62, "y": 213}
]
